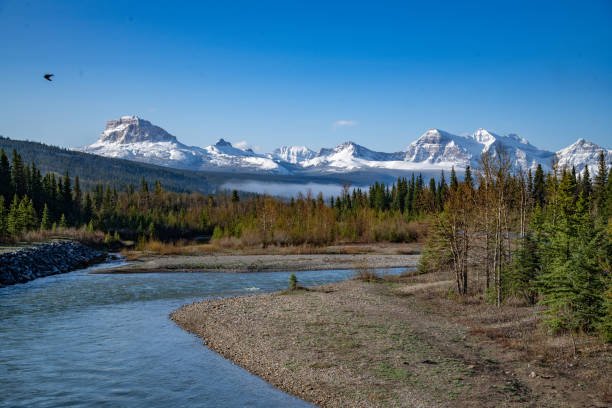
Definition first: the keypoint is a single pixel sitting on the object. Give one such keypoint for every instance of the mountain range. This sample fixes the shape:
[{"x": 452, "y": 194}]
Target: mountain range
[{"x": 133, "y": 138}]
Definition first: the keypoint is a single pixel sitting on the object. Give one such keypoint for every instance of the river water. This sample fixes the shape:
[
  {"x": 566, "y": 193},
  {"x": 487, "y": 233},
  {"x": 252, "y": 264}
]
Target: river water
[{"x": 82, "y": 339}]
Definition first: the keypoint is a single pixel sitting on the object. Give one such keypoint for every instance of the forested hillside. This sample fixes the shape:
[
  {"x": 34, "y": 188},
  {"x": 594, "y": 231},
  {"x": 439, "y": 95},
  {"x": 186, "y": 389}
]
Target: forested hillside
[{"x": 94, "y": 169}]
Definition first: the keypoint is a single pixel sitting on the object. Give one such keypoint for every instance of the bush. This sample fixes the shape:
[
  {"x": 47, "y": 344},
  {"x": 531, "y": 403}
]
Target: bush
[
  {"x": 293, "y": 282},
  {"x": 365, "y": 273}
]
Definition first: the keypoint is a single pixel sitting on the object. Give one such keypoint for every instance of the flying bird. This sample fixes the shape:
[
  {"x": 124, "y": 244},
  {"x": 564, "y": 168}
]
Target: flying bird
[{"x": 48, "y": 77}]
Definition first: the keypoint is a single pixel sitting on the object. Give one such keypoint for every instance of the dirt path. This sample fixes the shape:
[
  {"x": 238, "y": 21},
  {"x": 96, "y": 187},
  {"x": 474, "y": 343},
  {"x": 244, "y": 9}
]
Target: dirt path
[{"x": 367, "y": 344}]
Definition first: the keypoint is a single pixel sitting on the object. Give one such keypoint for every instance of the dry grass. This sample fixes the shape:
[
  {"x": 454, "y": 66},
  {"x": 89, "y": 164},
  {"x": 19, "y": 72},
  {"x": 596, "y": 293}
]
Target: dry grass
[
  {"x": 366, "y": 273},
  {"x": 226, "y": 247},
  {"x": 95, "y": 238},
  {"x": 572, "y": 360}
]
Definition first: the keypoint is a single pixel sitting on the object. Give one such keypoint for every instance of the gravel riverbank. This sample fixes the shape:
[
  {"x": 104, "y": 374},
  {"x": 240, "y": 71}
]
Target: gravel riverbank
[
  {"x": 392, "y": 343},
  {"x": 261, "y": 263}
]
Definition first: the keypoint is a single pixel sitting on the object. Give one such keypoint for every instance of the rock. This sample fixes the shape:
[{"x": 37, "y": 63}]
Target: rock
[
  {"x": 47, "y": 259},
  {"x": 532, "y": 374}
]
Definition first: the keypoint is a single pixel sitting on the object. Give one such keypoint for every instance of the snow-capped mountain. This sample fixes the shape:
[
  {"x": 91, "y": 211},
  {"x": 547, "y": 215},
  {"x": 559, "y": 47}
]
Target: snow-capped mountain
[
  {"x": 442, "y": 148},
  {"x": 350, "y": 156},
  {"x": 133, "y": 138},
  {"x": 581, "y": 154},
  {"x": 293, "y": 154},
  {"x": 445, "y": 149}
]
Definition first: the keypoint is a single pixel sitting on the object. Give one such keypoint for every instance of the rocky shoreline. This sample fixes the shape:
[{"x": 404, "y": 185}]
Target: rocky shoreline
[{"x": 46, "y": 259}]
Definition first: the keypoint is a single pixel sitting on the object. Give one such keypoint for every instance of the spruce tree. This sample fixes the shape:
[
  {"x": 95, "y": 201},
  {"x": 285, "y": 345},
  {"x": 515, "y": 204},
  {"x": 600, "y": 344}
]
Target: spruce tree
[
  {"x": 454, "y": 182},
  {"x": 523, "y": 278},
  {"x": 18, "y": 177},
  {"x": 14, "y": 225},
  {"x": 3, "y": 216},
  {"x": 586, "y": 186},
  {"x": 600, "y": 185},
  {"x": 539, "y": 186},
  {"x": 468, "y": 179},
  {"x": 62, "y": 222},
  {"x": 45, "y": 222},
  {"x": 6, "y": 190}
]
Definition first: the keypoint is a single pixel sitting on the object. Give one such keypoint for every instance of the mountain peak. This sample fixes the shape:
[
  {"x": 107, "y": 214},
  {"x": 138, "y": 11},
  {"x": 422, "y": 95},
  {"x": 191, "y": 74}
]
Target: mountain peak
[
  {"x": 484, "y": 136},
  {"x": 132, "y": 129},
  {"x": 582, "y": 153},
  {"x": 222, "y": 142}
]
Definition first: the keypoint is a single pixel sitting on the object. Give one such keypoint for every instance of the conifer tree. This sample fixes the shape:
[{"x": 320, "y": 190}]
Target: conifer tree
[
  {"x": 600, "y": 185},
  {"x": 524, "y": 276},
  {"x": 468, "y": 179},
  {"x": 62, "y": 222},
  {"x": 18, "y": 177},
  {"x": 539, "y": 186},
  {"x": 45, "y": 222},
  {"x": 5, "y": 177},
  {"x": 14, "y": 225},
  {"x": 454, "y": 182},
  {"x": 3, "y": 217},
  {"x": 586, "y": 187}
]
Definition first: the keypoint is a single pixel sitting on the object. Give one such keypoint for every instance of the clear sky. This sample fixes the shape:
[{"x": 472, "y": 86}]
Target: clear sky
[{"x": 273, "y": 73}]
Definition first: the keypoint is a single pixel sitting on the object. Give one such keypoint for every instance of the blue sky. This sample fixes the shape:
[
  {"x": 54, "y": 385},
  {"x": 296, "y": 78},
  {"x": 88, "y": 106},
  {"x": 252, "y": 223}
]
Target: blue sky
[{"x": 316, "y": 73}]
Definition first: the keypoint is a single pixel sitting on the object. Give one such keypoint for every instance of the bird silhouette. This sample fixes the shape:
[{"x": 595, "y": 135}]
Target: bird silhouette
[{"x": 48, "y": 77}]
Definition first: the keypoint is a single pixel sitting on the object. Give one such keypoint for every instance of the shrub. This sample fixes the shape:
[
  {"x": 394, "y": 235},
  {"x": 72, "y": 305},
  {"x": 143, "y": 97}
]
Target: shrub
[{"x": 293, "y": 282}]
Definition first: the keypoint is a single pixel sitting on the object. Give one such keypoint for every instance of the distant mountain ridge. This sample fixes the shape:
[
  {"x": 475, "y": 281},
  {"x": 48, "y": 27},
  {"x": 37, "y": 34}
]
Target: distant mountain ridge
[{"x": 133, "y": 138}]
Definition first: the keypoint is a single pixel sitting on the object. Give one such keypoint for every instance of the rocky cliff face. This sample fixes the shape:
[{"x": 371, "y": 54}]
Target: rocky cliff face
[
  {"x": 24, "y": 265},
  {"x": 132, "y": 129}
]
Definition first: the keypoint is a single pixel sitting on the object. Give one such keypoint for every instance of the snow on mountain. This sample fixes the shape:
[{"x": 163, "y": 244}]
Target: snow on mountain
[
  {"x": 350, "y": 156},
  {"x": 223, "y": 155},
  {"x": 582, "y": 153},
  {"x": 445, "y": 149},
  {"x": 523, "y": 154},
  {"x": 293, "y": 154},
  {"x": 133, "y": 138}
]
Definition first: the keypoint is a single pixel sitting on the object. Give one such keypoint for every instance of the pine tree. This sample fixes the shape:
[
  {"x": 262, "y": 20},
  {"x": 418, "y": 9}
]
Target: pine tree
[
  {"x": 454, "y": 182},
  {"x": 3, "y": 217},
  {"x": 77, "y": 201},
  {"x": 27, "y": 214},
  {"x": 18, "y": 177},
  {"x": 539, "y": 187},
  {"x": 600, "y": 186},
  {"x": 45, "y": 222},
  {"x": 524, "y": 276},
  {"x": 589, "y": 251},
  {"x": 586, "y": 187},
  {"x": 14, "y": 225},
  {"x": 573, "y": 252},
  {"x": 468, "y": 179},
  {"x": 6, "y": 190},
  {"x": 66, "y": 194},
  {"x": 62, "y": 222}
]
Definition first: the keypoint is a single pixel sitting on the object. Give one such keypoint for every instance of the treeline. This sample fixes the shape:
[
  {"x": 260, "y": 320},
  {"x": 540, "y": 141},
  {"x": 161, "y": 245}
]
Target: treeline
[
  {"x": 33, "y": 201},
  {"x": 540, "y": 237},
  {"x": 93, "y": 169}
]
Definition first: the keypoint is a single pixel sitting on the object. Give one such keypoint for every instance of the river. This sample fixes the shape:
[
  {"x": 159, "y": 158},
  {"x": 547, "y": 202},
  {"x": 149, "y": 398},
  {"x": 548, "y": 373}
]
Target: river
[{"x": 82, "y": 339}]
